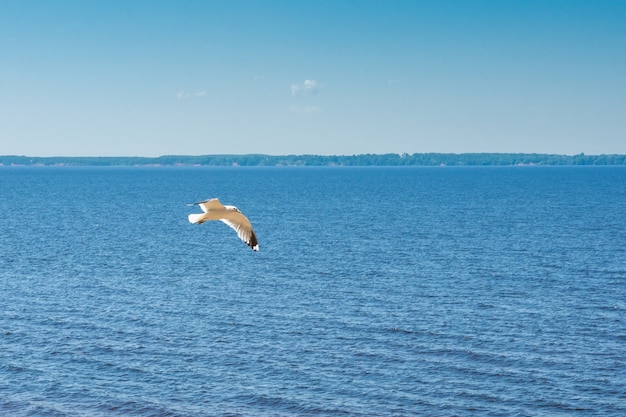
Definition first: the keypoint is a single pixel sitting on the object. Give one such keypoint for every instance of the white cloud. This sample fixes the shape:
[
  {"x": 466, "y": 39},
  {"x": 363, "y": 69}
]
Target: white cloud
[
  {"x": 308, "y": 86},
  {"x": 183, "y": 95}
]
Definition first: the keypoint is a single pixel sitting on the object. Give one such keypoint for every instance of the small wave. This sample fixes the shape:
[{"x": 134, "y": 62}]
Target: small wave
[{"x": 402, "y": 331}]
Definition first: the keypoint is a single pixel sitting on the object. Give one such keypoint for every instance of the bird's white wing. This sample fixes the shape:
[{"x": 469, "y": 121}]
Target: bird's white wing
[
  {"x": 211, "y": 204},
  {"x": 210, "y": 209},
  {"x": 242, "y": 226}
]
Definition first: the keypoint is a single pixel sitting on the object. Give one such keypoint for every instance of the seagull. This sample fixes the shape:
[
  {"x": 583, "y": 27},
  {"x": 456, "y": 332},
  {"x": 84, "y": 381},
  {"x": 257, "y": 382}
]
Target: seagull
[{"x": 214, "y": 210}]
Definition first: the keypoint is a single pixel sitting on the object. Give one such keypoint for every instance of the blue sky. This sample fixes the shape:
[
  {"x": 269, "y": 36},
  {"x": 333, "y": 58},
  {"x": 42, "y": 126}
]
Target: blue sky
[{"x": 149, "y": 78}]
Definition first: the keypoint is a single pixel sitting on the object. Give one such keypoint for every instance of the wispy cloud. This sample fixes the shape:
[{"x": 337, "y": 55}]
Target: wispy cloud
[
  {"x": 183, "y": 95},
  {"x": 308, "y": 86}
]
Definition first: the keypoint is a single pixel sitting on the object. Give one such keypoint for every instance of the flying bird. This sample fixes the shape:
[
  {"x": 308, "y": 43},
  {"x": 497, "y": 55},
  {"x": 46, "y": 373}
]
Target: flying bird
[{"x": 214, "y": 210}]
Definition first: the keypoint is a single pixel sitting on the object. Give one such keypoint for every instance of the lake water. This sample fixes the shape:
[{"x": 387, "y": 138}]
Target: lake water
[{"x": 375, "y": 292}]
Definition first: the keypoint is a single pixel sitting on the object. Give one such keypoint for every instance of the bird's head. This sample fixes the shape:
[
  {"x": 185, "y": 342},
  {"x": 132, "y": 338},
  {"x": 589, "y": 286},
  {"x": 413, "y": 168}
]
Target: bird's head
[{"x": 232, "y": 208}]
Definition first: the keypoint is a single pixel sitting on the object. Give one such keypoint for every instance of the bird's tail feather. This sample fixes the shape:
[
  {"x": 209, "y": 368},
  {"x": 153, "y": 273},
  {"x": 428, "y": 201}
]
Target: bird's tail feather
[{"x": 196, "y": 218}]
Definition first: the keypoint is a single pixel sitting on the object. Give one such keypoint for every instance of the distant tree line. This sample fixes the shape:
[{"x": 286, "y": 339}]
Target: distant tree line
[{"x": 416, "y": 159}]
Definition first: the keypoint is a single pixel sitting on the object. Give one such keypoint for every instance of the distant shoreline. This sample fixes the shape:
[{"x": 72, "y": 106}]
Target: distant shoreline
[{"x": 416, "y": 159}]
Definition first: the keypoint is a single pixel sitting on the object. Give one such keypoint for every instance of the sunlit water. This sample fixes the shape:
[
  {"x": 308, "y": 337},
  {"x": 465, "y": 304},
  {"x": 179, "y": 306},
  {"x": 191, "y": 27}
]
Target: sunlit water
[{"x": 376, "y": 291}]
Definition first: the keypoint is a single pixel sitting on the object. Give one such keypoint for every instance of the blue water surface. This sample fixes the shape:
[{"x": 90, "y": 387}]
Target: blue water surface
[{"x": 376, "y": 292}]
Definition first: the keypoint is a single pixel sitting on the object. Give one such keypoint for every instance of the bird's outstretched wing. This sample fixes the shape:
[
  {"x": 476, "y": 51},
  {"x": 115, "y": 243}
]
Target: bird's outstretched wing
[
  {"x": 210, "y": 204},
  {"x": 243, "y": 227}
]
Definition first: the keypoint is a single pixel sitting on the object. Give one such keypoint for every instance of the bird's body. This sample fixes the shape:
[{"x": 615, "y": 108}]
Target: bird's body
[{"x": 214, "y": 210}]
